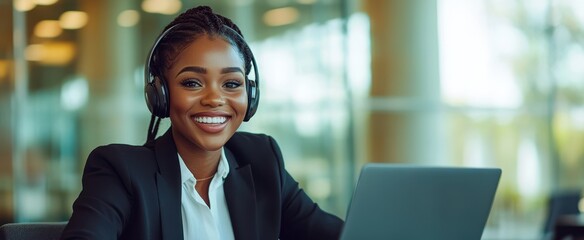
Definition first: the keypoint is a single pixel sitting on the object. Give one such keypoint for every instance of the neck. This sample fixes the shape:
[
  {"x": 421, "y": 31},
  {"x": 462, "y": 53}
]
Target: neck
[
  {"x": 201, "y": 166},
  {"x": 200, "y": 161}
]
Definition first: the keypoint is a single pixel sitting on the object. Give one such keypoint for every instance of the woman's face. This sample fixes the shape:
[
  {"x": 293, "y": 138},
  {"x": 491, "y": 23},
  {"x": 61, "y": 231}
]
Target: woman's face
[{"x": 208, "y": 99}]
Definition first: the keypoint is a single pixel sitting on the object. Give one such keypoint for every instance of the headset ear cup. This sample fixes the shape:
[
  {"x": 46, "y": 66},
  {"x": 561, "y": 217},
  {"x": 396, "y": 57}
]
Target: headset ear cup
[
  {"x": 155, "y": 88},
  {"x": 157, "y": 98},
  {"x": 253, "y": 95},
  {"x": 163, "y": 98},
  {"x": 151, "y": 99}
]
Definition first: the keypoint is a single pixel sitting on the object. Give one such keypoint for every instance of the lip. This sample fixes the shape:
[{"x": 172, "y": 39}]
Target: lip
[{"x": 211, "y": 127}]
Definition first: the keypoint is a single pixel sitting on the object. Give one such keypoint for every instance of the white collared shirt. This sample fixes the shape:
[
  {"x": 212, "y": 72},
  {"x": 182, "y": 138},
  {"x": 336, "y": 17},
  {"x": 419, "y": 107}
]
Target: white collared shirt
[{"x": 198, "y": 220}]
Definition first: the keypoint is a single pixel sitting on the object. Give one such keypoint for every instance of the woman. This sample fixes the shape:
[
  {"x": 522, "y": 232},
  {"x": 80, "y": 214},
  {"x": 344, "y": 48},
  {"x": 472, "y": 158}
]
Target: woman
[{"x": 201, "y": 179}]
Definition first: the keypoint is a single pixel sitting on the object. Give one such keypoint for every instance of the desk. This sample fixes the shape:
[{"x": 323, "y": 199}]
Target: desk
[{"x": 569, "y": 227}]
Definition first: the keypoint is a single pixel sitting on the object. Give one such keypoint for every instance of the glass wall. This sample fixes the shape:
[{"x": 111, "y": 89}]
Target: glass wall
[
  {"x": 511, "y": 83},
  {"x": 485, "y": 83}
]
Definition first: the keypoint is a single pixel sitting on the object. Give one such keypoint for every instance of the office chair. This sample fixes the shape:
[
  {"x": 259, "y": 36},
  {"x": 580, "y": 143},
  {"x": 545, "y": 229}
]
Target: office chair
[
  {"x": 560, "y": 203},
  {"x": 32, "y": 231}
]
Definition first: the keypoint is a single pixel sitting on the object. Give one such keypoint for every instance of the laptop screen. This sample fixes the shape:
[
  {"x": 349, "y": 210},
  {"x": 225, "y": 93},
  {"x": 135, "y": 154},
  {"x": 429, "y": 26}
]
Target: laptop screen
[{"x": 395, "y": 201}]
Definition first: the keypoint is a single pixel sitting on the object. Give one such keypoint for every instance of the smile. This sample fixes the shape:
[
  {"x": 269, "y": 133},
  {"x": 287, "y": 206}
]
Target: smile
[{"x": 211, "y": 120}]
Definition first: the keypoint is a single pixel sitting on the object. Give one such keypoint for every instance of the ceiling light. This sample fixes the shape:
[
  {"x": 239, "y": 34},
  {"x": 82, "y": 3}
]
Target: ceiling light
[
  {"x": 3, "y": 69},
  {"x": 45, "y": 2},
  {"x": 73, "y": 20},
  {"x": 128, "y": 18},
  {"x": 53, "y": 53},
  {"x": 24, "y": 5},
  {"x": 48, "y": 29},
  {"x": 281, "y": 16},
  {"x": 34, "y": 52},
  {"x": 168, "y": 7}
]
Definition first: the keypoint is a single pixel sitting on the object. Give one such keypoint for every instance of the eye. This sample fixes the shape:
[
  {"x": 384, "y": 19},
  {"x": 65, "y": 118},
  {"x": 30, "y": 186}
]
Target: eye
[
  {"x": 190, "y": 83},
  {"x": 233, "y": 84}
]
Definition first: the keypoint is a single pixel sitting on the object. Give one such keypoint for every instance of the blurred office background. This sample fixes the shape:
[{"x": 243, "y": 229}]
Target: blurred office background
[{"x": 481, "y": 83}]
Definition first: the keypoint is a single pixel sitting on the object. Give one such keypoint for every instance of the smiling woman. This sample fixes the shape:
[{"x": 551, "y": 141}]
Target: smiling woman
[
  {"x": 206, "y": 84},
  {"x": 201, "y": 179}
]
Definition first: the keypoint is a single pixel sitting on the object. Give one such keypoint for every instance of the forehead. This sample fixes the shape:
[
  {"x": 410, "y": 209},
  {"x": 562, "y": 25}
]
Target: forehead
[{"x": 206, "y": 50}]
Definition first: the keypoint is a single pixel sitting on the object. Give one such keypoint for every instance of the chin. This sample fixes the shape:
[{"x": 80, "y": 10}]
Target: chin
[{"x": 213, "y": 143}]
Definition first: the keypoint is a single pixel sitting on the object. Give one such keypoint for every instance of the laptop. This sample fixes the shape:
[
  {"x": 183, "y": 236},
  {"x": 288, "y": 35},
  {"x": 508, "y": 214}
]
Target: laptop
[{"x": 396, "y": 201}]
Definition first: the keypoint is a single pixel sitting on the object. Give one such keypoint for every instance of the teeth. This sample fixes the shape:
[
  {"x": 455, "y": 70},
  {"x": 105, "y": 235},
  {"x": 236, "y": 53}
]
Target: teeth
[{"x": 211, "y": 120}]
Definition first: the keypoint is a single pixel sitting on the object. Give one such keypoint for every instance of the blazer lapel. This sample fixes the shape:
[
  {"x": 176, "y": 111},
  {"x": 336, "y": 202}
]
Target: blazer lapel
[
  {"x": 240, "y": 196},
  {"x": 169, "y": 187}
]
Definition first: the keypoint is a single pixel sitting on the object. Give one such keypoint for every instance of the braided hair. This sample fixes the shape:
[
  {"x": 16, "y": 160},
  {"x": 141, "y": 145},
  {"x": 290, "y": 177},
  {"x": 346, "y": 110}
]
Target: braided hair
[{"x": 192, "y": 24}]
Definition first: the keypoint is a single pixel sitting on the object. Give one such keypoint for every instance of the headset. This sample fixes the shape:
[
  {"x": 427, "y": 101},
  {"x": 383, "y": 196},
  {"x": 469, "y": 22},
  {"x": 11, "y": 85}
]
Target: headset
[{"x": 156, "y": 89}]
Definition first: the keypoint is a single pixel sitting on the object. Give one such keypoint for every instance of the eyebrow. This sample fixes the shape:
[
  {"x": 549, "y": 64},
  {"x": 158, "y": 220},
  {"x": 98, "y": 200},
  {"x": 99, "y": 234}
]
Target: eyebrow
[
  {"x": 231, "y": 70},
  {"x": 202, "y": 70},
  {"x": 192, "y": 69}
]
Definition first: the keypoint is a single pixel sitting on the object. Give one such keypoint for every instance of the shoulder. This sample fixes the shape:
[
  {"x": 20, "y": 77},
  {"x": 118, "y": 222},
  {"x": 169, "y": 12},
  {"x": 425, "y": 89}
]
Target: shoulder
[
  {"x": 243, "y": 141},
  {"x": 122, "y": 156},
  {"x": 121, "y": 150},
  {"x": 249, "y": 146},
  {"x": 249, "y": 138}
]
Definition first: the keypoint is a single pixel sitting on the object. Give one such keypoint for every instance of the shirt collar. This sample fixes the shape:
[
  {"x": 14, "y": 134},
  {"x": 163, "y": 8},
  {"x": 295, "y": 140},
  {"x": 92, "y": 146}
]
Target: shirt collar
[{"x": 222, "y": 169}]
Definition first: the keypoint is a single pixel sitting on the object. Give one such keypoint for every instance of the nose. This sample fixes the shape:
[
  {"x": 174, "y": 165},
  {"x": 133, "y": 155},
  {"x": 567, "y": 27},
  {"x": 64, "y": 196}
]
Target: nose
[{"x": 212, "y": 97}]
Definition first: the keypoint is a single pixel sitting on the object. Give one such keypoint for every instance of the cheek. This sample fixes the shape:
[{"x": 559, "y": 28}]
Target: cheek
[
  {"x": 242, "y": 103},
  {"x": 179, "y": 101}
]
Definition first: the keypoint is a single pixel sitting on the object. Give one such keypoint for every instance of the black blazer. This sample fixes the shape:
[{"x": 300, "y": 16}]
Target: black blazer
[{"x": 134, "y": 192}]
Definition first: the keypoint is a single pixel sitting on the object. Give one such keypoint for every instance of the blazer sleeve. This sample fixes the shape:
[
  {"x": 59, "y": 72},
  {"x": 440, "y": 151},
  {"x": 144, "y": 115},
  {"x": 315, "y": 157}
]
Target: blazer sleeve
[
  {"x": 101, "y": 209},
  {"x": 302, "y": 218}
]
